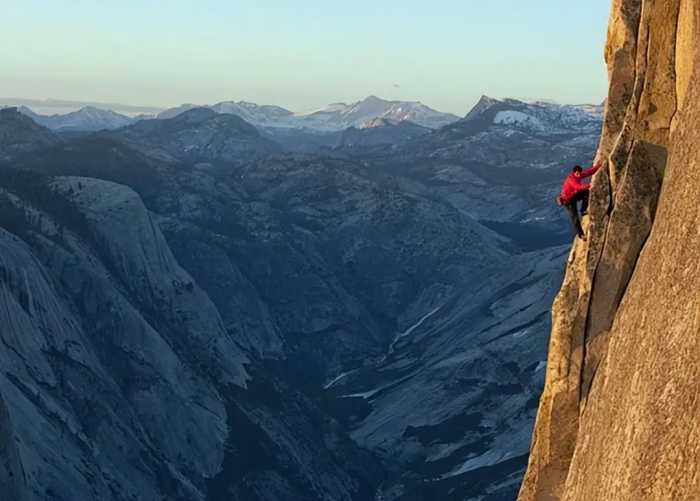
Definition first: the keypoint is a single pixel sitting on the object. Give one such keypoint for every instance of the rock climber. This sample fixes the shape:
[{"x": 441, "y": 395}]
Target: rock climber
[{"x": 576, "y": 190}]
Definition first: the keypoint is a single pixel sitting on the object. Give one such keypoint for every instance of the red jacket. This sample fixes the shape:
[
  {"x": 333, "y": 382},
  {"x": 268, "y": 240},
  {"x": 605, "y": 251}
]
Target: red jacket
[{"x": 574, "y": 184}]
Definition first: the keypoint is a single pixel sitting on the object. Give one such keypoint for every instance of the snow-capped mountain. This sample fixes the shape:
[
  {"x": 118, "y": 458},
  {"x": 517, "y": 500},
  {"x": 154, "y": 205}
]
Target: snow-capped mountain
[
  {"x": 87, "y": 119},
  {"x": 335, "y": 117},
  {"x": 545, "y": 136},
  {"x": 256, "y": 114},
  {"x": 341, "y": 116},
  {"x": 264, "y": 115},
  {"x": 538, "y": 117}
]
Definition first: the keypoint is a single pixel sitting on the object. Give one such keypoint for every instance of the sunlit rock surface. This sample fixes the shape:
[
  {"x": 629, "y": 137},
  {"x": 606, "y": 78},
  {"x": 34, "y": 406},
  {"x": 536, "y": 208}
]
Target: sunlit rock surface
[{"x": 619, "y": 416}]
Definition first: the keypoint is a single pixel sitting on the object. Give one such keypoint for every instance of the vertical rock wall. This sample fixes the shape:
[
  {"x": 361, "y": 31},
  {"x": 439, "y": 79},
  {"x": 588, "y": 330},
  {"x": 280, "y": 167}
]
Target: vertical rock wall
[{"x": 618, "y": 417}]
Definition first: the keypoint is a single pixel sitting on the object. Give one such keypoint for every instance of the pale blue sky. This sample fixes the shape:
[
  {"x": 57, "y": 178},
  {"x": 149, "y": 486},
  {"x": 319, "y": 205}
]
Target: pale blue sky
[{"x": 303, "y": 54}]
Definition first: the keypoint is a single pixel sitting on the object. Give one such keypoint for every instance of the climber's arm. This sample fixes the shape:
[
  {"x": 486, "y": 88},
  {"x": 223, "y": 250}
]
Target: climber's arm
[{"x": 592, "y": 170}]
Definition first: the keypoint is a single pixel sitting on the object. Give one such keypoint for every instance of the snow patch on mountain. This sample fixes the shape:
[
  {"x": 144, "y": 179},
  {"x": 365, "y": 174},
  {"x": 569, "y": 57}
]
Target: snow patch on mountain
[
  {"x": 412, "y": 328},
  {"x": 512, "y": 117},
  {"x": 491, "y": 457}
]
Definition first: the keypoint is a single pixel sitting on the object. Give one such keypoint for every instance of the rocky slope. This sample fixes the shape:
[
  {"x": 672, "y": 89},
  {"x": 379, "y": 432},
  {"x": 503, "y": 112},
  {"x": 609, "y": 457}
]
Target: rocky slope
[
  {"x": 619, "y": 416},
  {"x": 20, "y": 134},
  {"x": 448, "y": 400},
  {"x": 198, "y": 134},
  {"x": 121, "y": 377},
  {"x": 380, "y": 132},
  {"x": 298, "y": 271}
]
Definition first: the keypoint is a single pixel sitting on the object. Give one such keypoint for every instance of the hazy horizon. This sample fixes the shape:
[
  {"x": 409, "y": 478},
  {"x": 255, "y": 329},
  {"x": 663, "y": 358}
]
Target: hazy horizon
[{"x": 304, "y": 57}]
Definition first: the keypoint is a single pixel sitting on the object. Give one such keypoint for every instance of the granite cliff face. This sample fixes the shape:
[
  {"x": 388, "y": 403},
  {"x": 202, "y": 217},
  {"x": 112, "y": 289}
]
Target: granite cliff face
[
  {"x": 124, "y": 379},
  {"x": 620, "y": 415}
]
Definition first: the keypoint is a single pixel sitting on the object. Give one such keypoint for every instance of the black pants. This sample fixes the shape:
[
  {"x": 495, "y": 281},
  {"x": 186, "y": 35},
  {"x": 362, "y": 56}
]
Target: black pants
[{"x": 572, "y": 209}]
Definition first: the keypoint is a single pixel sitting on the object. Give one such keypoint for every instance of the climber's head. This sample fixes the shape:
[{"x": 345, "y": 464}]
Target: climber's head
[{"x": 577, "y": 170}]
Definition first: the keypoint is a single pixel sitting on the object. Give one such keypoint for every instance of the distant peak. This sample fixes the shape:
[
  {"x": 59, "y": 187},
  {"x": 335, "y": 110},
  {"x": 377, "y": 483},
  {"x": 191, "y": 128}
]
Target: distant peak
[
  {"x": 17, "y": 116},
  {"x": 13, "y": 113},
  {"x": 93, "y": 110},
  {"x": 488, "y": 99},
  {"x": 485, "y": 102},
  {"x": 198, "y": 113}
]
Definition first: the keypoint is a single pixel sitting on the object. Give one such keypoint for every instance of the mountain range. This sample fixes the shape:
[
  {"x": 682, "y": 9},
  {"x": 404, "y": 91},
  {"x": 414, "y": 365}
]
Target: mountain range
[
  {"x": 63, "y": 106},
  {"x": 334, "y": 117},
  {"x": 88, "y": 118},
  {"x": 214, "y": 315}
]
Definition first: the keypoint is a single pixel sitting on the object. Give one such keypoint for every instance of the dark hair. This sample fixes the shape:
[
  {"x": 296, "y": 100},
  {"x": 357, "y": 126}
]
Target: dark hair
[{"x": 577, "y": 168}]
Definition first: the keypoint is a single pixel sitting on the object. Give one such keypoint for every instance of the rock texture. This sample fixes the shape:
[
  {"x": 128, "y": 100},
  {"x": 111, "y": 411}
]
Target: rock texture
[
  {"x": 448, "y": 401},
  {"x": 618, "y": 419},
  {"x": 122, "y": 380}
]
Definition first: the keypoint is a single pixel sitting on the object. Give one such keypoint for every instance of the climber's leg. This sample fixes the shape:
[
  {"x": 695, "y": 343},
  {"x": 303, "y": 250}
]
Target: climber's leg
[
  {"x": 583, "y": 196},
  {"x": 572, "y": 210}
]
